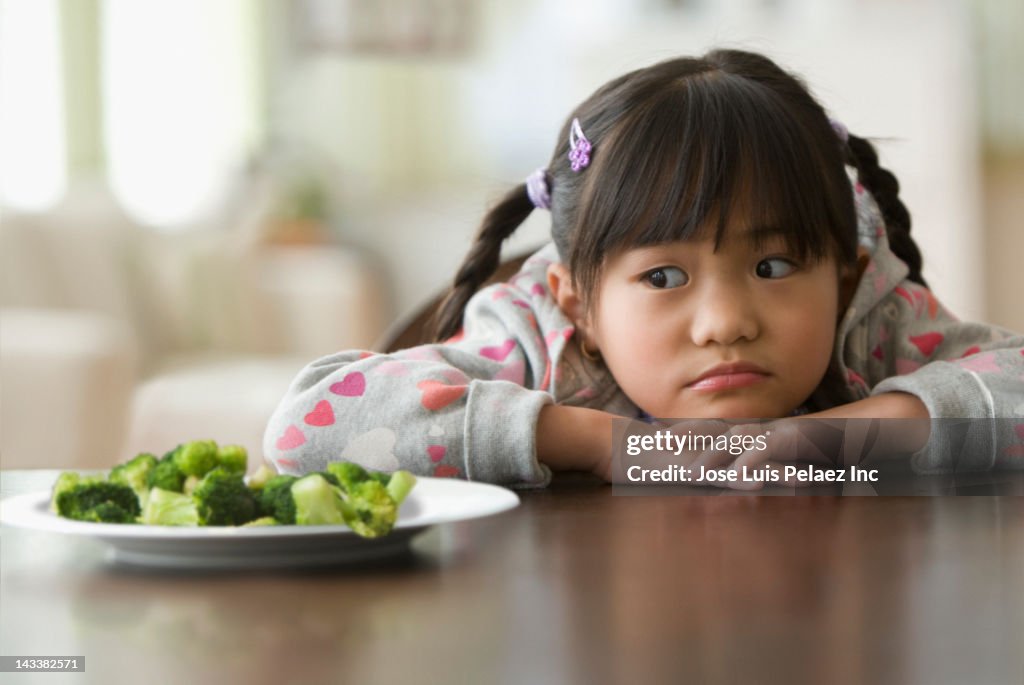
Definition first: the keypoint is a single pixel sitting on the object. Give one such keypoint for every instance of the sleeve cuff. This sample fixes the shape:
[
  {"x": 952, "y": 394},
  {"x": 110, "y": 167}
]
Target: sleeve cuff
[
  {"x": 501, "y": 434},
  {"x": 963, "y": 430}
]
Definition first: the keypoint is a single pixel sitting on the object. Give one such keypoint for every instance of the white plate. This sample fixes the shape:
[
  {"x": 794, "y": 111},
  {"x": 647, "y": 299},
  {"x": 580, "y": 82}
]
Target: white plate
[{"x": 432, "y": 501}]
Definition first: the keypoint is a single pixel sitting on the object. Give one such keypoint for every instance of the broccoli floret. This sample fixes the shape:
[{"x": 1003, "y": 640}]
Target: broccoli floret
[
  {"x": 369, "y": 510},
  {"x": 261, "y": 477},
  {"x": 348, "y": 473},
  {"x": 80, "y": 500},
  {"x": 135, "y": 474},
  {"x": 190, "y": 484},
  {"x": 108, "y": 512},
  {"x": 399, "y": 484},
  {"x": 317, "y": 502},
  {"x": 66, "y": 481},
  {"x": 196, "y": 458},
  {"x": 167, "y": 508},
  {"x": 260, "y": 522},
  {"x": 223, "y": 500},
  {"x": 165, "y": 474},
  {"x": 233, "y": 458},
  {"x": 275, "y": 499}
]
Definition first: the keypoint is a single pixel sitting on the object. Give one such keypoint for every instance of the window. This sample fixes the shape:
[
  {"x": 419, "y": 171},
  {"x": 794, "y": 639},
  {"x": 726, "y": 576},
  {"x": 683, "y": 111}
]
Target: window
[{"x": 33, "y": 157}]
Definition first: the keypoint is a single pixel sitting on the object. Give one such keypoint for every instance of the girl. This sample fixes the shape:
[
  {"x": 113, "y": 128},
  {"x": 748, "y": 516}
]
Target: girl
[{"x": 720, "y": 249}]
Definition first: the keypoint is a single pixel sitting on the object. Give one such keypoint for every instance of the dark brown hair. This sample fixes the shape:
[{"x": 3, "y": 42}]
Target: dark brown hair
[{"x": 677, "y": 148}]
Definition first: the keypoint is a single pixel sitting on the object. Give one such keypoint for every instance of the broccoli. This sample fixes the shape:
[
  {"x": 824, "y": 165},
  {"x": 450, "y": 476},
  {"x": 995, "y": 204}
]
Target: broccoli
[
  {"x": 371, "y": 499},
  {"x": 190, "y": 484},
  {"x": 262, "y": 476},
  {"x": 165, "y": 474},
  {"x": 399, "y": 485},
  {"x": 66, "y": 481},
  {"x": 260, "y": 522},
  {"x": 317, "y": 501},
  {"x": 200, "y": 484},
  {"x": 369, "y": 510},
  {"x": 233, "y": 458},
  {"x": 98, "y": 500},
  {"x": 275, "y": 499},
  {"x": 135, "y": 474},
  {"x": 222, "y": 499},
  {"x": 108, "y": 512},
  {"x": 349, "y": 475},
  {"x": 196, "y": 458},
  {"x": 167, "y": 508},
  {"x": 310, "y": 500}
]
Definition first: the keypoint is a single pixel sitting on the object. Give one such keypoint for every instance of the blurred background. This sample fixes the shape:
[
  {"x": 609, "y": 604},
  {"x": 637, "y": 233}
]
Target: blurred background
[{"x": 197, "y": 198}]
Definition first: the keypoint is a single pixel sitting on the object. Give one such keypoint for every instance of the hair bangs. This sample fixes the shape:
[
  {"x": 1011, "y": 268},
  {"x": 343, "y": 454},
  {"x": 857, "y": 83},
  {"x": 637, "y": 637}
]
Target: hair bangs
[{"x": 712, "y": 155}]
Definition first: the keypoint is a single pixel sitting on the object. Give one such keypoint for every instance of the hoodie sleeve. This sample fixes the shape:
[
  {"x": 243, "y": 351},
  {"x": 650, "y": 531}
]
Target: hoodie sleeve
[
  {"x": 970, "y": 376},
  {"x": 467, "y": 408}
]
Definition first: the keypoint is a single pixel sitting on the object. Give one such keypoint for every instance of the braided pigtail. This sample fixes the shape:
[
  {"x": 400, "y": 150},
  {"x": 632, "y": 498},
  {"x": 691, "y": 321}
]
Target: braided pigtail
[
  {"x": 482, "y": 259},
  {"x": 882, "y": 184}
]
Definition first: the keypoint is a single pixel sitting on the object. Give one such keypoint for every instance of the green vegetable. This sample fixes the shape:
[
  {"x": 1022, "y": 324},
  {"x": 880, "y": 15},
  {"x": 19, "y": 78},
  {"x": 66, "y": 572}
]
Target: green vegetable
[
  {"x": 262, "y": 476},
  {"x": 166, "y": 475},
  {"x": 108, "y": 512},
  {"x": 167, "y": 508},
  {"x": 91, "y": 500},
  {"x": 66, "y": 481},
  {"x": 196, "y": 458},
  {"x": 233, "y": 458},
  {"x": 348, "y": 473},
  {"x": 369, "y": 510},
  {"x": 222, "y": 499},
  {"x": 317, "y": 501},
  {"x": 261, "y": 521},
  {"x": 399, "y": 485},
  {"x": 135, "y": 474},
  {"x": 200, "y": 484},
  {"x": 275, "y": 499}
]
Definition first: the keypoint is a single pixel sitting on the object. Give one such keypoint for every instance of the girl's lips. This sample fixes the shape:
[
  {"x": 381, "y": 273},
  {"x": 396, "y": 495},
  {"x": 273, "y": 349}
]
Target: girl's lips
[
  {"x": 727, "y": 381},
  {"x": 728, "y": 376}
]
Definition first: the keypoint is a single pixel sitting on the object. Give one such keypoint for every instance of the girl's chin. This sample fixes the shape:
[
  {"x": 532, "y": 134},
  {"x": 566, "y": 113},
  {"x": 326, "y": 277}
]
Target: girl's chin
[{"x": 730, "y": 410}]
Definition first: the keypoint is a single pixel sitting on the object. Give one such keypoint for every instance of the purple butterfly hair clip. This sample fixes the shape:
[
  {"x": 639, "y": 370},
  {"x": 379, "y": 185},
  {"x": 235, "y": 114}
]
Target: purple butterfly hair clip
[{"x": 579, "y": 147}]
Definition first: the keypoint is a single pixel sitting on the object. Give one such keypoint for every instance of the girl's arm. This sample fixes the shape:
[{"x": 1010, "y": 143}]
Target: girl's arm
[
  {"x": 467, "y": 408},
  {"x": 574, "y": 439},
  {"x": 579, "y": 439},
  {"x": 969, "y": 377}
]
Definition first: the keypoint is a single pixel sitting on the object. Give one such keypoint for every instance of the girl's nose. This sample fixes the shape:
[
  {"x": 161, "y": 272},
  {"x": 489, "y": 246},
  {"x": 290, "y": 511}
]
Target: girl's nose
[{"x": 725, "y": 315}]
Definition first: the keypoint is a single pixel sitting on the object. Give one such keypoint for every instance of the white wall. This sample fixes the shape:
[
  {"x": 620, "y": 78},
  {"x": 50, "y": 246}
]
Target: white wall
[{"x": 426, "y": 145}]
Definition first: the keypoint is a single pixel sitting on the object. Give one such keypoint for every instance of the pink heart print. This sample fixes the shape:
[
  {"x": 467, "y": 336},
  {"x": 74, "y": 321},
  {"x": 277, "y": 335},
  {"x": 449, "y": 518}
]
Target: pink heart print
[
  {"x": 322, "y": 414},
  {"x": 437, "y": 395},
  {"x": 352, "y": 385},
  {"x": 291, "y": 439},
  {"x": 437, "y": 452},
  {"x": 927, "y": 342},
  {"x": 498, "y": 353}
]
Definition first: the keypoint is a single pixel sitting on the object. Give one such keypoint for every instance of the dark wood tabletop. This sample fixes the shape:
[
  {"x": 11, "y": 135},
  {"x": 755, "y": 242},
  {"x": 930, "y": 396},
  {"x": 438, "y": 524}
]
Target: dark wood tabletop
[{"x": 576, "y": 585}]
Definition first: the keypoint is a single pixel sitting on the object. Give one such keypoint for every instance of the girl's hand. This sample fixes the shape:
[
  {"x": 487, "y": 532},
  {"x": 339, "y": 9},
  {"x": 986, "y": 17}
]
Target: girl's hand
[{"x": 891, "y": 425}]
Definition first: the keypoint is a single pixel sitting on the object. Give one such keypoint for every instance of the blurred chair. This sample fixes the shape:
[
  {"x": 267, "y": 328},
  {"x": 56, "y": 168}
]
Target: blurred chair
[
  {"x": 416, "y": 327},
  {"x": 117, "y": 340}
]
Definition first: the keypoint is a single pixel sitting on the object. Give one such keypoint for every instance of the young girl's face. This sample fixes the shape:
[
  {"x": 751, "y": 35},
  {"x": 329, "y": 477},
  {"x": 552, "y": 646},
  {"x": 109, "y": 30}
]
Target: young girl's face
[{"x": 746, "y": 331}]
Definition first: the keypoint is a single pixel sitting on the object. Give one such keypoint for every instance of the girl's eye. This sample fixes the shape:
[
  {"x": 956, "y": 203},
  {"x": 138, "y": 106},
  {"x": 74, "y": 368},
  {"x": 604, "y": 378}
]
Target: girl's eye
[
  {"x": 776, "y": 267},
  {"x": 666, "y": 277}
]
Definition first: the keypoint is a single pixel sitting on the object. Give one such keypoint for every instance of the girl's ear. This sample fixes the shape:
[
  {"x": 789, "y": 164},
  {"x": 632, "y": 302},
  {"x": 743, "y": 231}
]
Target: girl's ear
[
  {"x": 850, "y": 278},
  {"x": 560, "y": 283}
]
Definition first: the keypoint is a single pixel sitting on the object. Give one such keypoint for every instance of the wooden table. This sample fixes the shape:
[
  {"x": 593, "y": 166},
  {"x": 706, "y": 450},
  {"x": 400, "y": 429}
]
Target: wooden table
[{"x": 577, "y": 585}]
